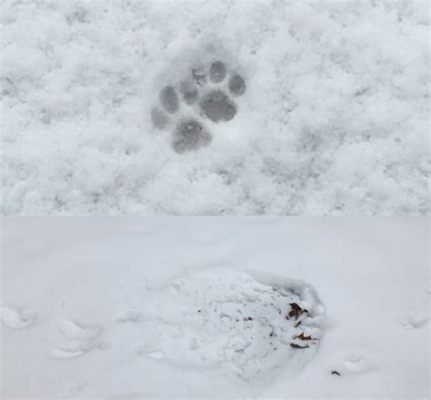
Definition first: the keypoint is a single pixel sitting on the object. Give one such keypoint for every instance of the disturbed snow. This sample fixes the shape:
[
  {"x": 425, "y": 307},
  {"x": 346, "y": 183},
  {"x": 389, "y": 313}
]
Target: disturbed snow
[{"x": 156, "y": 308}]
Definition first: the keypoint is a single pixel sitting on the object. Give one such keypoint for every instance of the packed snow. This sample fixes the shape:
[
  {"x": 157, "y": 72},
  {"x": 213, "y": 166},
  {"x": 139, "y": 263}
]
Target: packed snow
[
  {"x": 333, "y": 118},
  {"x": 127, "y": 308}
]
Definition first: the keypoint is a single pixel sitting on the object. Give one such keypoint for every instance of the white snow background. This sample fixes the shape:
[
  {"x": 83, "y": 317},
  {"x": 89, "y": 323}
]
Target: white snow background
[
  {"x": 334, "y": 119},
  {"x": 75, "y": 293}
]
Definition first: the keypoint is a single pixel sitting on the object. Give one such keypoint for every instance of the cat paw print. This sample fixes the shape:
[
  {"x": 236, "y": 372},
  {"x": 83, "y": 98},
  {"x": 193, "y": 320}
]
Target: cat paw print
[{"x": 207, "y": 95}]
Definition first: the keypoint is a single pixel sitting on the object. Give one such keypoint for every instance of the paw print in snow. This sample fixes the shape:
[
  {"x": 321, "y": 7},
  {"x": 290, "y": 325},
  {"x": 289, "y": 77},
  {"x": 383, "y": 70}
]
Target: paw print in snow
[{"x": 207, "y": 94}]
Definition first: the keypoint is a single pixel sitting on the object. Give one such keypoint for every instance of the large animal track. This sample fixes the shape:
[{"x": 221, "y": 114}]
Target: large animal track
[
  {"x": 206, "y": 94},
  {"x": 250, "y": 323}
]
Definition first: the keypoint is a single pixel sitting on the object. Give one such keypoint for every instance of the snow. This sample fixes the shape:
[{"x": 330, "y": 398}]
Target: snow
[
  {"x": 17, "y": 319},
  {"x": 109, "y": 308},
  {"x": 225, "y": 318},
  {"x": 334, "y": 119}
]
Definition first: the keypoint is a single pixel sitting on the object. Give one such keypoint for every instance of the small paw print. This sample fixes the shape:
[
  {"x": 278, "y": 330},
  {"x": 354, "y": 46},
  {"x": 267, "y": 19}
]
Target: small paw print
[{"x": 206, "y": 96}]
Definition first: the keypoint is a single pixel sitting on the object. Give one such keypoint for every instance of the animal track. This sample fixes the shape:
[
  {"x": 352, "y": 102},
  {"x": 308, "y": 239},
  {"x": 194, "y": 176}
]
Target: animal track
[
  {"x": 355, "y": 363},
  {"x": 78, "y": 340},
  {"x": 206, "y": 94},
  {"x": 248, "y": 322},
  {"x": 17, "y": 319}
]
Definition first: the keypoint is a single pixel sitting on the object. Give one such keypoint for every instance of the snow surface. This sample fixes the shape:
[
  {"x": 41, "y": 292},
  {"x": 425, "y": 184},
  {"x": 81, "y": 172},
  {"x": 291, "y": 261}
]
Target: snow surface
[
  {"x": 226, "y": 318},
  {"x": 108, "y": 308},
  {"x": 334, "y": 119}
]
